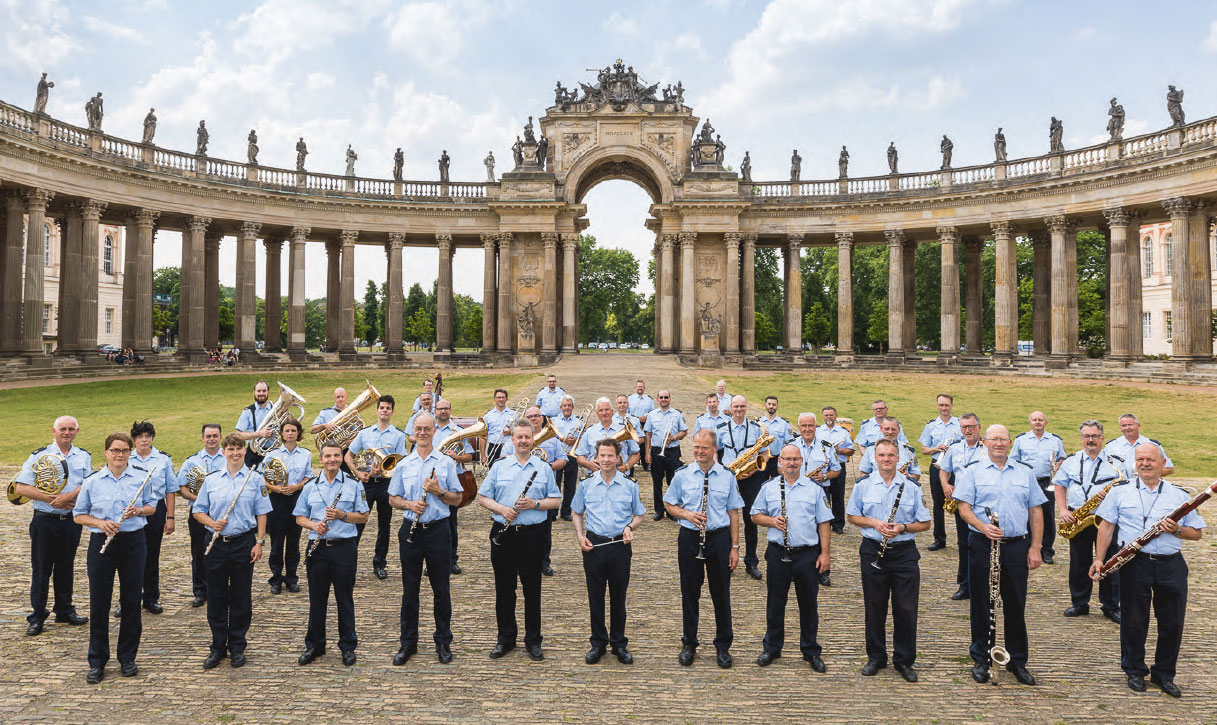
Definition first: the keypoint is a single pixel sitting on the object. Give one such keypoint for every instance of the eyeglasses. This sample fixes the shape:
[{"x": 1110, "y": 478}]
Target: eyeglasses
[
  {"x": 1092, "y": 436},
  {"x": 119, "y": 451},
  {"x": 998, "y": 440}
]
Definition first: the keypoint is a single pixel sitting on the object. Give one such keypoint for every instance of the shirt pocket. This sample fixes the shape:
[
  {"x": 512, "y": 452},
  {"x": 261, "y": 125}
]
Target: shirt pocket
[
  {"x": 874, "y": 502},
  {"x": 594, "y": 495},
  {"x": 107, "y": 501}
]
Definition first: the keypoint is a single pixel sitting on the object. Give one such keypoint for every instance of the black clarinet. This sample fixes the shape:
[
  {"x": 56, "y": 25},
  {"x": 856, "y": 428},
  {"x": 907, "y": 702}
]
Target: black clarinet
[
  {"x": 785, "y": 523},
  {"x": 418, "y": 517},
  {"x": 497, "y": 539},
  {"x": 891, "y": 518},
  {"x": 705, "y": 507},
  {"x": 312, "y": 543}
]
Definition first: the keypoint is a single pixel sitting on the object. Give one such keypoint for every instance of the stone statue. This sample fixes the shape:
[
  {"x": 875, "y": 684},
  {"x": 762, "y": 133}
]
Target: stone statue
[
  {"x": 745, "y": 168},
  {"x": 1174, "y": 105},
  {"x": 517, "y": 152},
  {"x": 707, "y": 133},
  {"x": 351, "y": 157},
  {"x": 947, "y": 149},
  {"x": 1056, "y": 130},
  {"x": 44, "y": 92},
  {"x": 529, "y": 136},
  {"x": 843, "y": 163},
  {"x": 1115, "y": 121},
  {"x": 543, "y": 152},
  {"x": 796, "y": 165},
  {"x": 149, "y": 126},
  {"x": 489, "y": 162},
  {"x": 720, "y": 150},
  {"x": 526, "y": 320},
  {"x": 893, "y": 158},
  {"x": 301, "y": 152},
  {"x": 999, "y": 146},
  {"x": 679, "y": 94},
  {"x": 444, "y": 161},
  {"x": 399, "y": 162},
  {"x": 251, "y": 149},
  {"x": 201, "y": 138},
  {"x": 710, "y": 323},
  {"x": 94, "y": 112}
]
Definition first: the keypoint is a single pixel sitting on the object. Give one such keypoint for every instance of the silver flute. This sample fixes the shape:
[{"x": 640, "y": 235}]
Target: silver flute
[
  {"x": 227, "y": 512},
  {"x": 134, "y": 498}
]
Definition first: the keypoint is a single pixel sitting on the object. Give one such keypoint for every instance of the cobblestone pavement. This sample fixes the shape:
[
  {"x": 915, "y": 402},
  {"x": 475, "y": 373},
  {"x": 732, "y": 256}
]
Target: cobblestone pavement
[{"x": 1075, "y": 661}]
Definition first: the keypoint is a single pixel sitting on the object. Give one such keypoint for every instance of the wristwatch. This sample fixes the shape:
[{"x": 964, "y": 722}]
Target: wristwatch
[
  {"x": 538, "y": 506},
  {"x": 735, "y": 546}
]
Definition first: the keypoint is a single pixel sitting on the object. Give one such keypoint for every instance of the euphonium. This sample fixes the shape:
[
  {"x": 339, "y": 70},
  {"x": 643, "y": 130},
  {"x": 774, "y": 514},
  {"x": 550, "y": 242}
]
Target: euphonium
[
  {"x": 626, "y": 433},
  {"x": 347, "y": 423},
  {"x": 50, "y": 476},
  {"x": 1083, "y": 516},
  {"x": 548, "y": 430},
  {"x": 279, "y": 412},
  {"x": 371, "y": 459},
  {"x": 750, "y": 461}
]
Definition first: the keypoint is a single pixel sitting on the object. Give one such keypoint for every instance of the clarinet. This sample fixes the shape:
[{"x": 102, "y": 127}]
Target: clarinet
[
  {"x": 142, "y": 486},
  {"x": 417, "y": 517},
  {"x": 891, "y": 518},
  {"x": 227, "y": 512},
  {"x": 705, "y": 506},
  {"x": 497, "y": 539},
  {"x": 786, "y": 524},
  {"x": 312, "y": 543}
]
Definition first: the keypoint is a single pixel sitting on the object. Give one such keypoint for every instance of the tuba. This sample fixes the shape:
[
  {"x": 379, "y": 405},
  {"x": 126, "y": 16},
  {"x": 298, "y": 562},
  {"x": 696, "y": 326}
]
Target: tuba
[
  {"x": 751, "y": 459},
  {"x": 371, "y": 459},
  {"x": 50, "y": 476},
  {"x": 454, "y": 443},
  {"x": 347, "y": 423},
  {"x": 279, "y": 412}
]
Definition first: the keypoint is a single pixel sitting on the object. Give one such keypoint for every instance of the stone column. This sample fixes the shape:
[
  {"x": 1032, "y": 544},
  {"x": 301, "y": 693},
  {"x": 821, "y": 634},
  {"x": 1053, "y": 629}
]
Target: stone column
[
  {"x": 895, "y": 294},
  {"x": 688, "y": 274},
  {"x": 296, "y": 311},
  {"x": 1118, "y": 307},
  {"x": 975, "y": 315},
  {"x": 1136, "y": 341},
  {"x": 141, "y": 283},
  {"x": 90, "y": 212},
  {"x": 1005, "y": 298},
  {"x": 570, "y": 321},
  {"x": 274, "y": 295},
  {"x": 490, "y": 292},
  {"x": 245, "y": 296},
  {"x": 1041, "y": 298},
  {"x": 394, "y": 296},
  {"x": 1200, "y": 275},
  {"x": 32, "y": 299},
  {"x": 10, "y": 273},
  {"x": 190, "y": 303},
  {"x": 507, "y": 321},
  {"x": 667, "y": 296},
  {"x": 1064, "y": 345},
  {"x": 910, "y": 297},
  {"x": 748, "y": 297},
  {"x": 443, "y": 295},
  {"x": 1180, "y": 211},
  {"x": 794, "y": 294},
  {"x": 845, "y": 295},
  {"x": 731, "y": 318},
  {"x": 1071, "y": 286},
  {"x": 333, "y": 294},
  {"x": 346, "y": 289},
  {"x": 71, "y": 278},
  {"x": 129, "y": 249},
  {"x": 211, "y": 289},
  {"x": 549, "y": 294},
  {"x": 949, "y": 295}
]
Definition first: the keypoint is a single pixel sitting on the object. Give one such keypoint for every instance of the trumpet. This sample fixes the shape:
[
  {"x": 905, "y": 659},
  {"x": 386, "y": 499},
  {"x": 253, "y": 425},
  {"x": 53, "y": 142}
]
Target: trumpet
[
  {"x": 279, "y": 413},
  {"x": 583, "y": 418}
]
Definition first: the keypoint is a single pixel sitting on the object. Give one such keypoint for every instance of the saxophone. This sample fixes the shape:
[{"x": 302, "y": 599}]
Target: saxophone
[
  {"x": 749, "y": 461},
  {"x": 1083, "y": 516}
]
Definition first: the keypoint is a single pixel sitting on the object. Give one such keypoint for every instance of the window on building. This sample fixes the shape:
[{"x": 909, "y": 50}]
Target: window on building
[
  {"x": 107, "y": 256},
  {"x": 1148, "y": 247},
  {"x": 46, "y": 318},
  {"x": 1167, "y": 256},
  {"x": 110, "y": 320},
  {"x": 1166, "y": 317},
  {"x": 1147, "y": 324},
  {"x": 46, "y": 245}
]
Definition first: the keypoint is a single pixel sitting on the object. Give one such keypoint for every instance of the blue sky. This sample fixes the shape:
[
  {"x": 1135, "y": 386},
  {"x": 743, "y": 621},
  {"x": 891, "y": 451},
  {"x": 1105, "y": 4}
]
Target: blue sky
[{"x": 463, "y": 75}]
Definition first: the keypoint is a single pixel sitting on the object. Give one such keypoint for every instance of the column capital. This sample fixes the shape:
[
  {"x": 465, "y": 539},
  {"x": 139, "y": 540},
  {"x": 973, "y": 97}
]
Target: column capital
[
  {"x": 90, "y": 209},
  {"x": 143, "y": 217},
  {"x": 333, "y": 246},
  {"x": 947, "y": 234},
  {"x": 273, "y": 245},
  {"x": 198, "y": 224},
  {"x": 1178, "y": 207},
  {"x": 347, "y": 237},
  {"x": 251, "y": 229},
  {"x": 687, "y": 240},
  {"x": 973, "y": 244},
  {"x": 488, "y": 241},
  {"x": 844, "y": 239},
  {"x": 396, "y": 240},
  {"x": 505, "y": 239},
  {"x": 668, "y": 241},
  {"x": 1002, "y": 228},
  {"x": 749, "y": 241},
  {"x": 1117, "y": 217},
  {"x": 300, "y": 234},
  {"x": 794, "y": 240},
  {"x": 733, "y": 239},
  {"x": 895, "y": 237},
  {"x": 1058, "y": 224},
  {"x": 37, "y": 199},
  {"x": 211, "y": 240},
  {"x": 443, "y": 240},
  {"x": 549, "y": 239},
  {"x": 569, "y": 241}
]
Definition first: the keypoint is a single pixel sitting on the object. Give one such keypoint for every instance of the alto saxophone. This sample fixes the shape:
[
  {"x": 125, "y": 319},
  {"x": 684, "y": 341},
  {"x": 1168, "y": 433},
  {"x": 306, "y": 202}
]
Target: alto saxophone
[
  {"x": 997, "y": 653},
  {"x": 1083, "y": 516}
]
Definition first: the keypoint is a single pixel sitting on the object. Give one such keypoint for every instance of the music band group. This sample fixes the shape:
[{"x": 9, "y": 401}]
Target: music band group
[{"x": 1006, "y": 495}]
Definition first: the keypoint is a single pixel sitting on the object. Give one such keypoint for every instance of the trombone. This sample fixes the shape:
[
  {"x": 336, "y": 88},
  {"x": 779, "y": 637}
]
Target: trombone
[{"x": 583, "y": 418}]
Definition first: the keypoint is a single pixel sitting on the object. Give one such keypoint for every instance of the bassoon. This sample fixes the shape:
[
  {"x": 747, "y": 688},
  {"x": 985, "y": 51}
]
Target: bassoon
[{"x": 1129, "y": 550}]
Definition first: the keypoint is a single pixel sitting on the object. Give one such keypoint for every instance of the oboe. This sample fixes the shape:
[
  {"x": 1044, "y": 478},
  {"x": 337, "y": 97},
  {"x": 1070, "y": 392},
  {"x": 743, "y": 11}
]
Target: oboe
[
  {"x": 312, "y": 543},
  {"x": 705, "y": 506},
  {"x": 417, "y": 517},
  {"x": 891, "y": 518},
  {"x": 216, "y": 534},
  {"x": 134, "y": 498},
  {"x": 785, "y": 524},
  {"x": 497, "y": 539}
]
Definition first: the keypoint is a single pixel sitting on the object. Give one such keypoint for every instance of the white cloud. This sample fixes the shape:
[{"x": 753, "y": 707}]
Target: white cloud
[
  {"x": 318, "y": 80},
  {"x": 618, "y": 23},
  {"x": 433, "y": 33},
  {"x": 1210, "y": 42},
  {"x": 278, "y": 29},
  {"x": 32, "y": 36},
  {"x": 113, "y": 30}
]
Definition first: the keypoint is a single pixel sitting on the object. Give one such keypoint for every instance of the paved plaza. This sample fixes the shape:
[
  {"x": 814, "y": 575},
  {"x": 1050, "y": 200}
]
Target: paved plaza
[{"x": 1076, "y": 661}]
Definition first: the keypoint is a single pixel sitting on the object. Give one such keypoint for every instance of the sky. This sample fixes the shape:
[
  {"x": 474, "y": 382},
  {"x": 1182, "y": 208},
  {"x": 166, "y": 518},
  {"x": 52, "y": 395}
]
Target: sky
[{"x": 811, "y": 75}]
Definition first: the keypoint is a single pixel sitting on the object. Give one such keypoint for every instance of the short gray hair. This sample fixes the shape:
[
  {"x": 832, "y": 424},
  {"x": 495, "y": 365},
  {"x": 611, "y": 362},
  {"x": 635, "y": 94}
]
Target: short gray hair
[
  {"x": 1090, "y": 424},
  {"x": 1129, "y": 415}
]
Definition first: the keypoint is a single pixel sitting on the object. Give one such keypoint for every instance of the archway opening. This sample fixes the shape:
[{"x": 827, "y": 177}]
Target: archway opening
[{"x": 616, "y": 271}]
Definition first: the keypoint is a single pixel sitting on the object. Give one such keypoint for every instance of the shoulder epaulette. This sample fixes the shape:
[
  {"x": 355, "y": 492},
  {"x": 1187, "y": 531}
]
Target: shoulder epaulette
[
  {"x": 913, "y": 481},
  {"x": 722, "y": 424},
  {"x": 39, "y": 450},
  {"x": 931, "y": 420},
  {"x": 678, "y": 470},
  {"x": 1151, "y": 440},
  {"x": 1112, "y": 455},
  {"x": 1054, "y": 435},
  {"x": 676, "y": 409},
  {"x": 218, "y": 470},
  {"x": 1024, "y": 465},
  {"x": 86, "y": 450},
  {"x": 828, "y": 444}
]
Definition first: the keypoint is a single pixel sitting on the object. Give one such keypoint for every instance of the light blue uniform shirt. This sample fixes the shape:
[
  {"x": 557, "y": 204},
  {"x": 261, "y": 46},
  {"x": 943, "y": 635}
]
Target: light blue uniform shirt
[
  {"x": 1011, "y": 492},
  {"x": 80, "y": 464},
  {"x": 249, "y": 421},
  {"x": 389, "y": 440},
  {"x": 686, "y": 488},
  {"x": 1082, "y": 476},
  {"x": 1039, "y": 453},
  {"x": 868, "y": 434},
  {"x": 325, "y": 415},
  {"x": 408, "y": 477},
  {"x": 565, "y": 426},
  {"x": 907, "y": 455},
  {"x": 163, "y": 481},
  {"x": 639, "y": 405},
  {"x": 961, "y": 455},
  {"x": 418, "y": 401},
  {"x": 1134, "y": 509},
  {"x": 734, "y": 439},
  {"x": 836, "y": 435},
  {"x": 874, "y": 499},
  {"x": 608, "y": 507},
  {"x": 496, "y": 422},
  {"x": 806, "y": 506},
  {"x": 815, "y": 454},
  {"x": 594, "y": 434},
  {"x": 218, "y": 491},
  {"x": 299, "y": 463},
  {"x": 662, "y": 423},
  {"x": 550, "y": 402},
  {"x": 209, "y": 463},
  {"x": 709, "y": 422},
  {"x": 780, "y": 429},
  {"x": 1121, "y": 451},
  {"x": 619, "y": 422},
  {"x": 936, "y": 432},
  {"x": 506, "y": 480},
  {"x": 319, "y": 493},
  {"x": 104, "y": 496},
  {"x": 724, "y": 403}
]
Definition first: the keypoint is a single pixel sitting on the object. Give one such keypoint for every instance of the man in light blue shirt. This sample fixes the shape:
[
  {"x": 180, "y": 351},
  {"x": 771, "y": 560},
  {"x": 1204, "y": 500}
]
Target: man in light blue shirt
[
  {"x": 780, "y": 429},
  {"x": 585, "y": 452},
  {"x": 868, "y": 432},
  {"x": 549, "y": 398},
  {"x": 498, "y": 419},
  {"x": 568, "y": 435},
  {"x": 391, "y": 441},
  {"x": 961, "y": 455},
  {"x": 326, "y": 416},
  {"x": 428, "y": 387},
  {"x": 209, "y": 458},
  {"x": 734, "y": 438},
  {"x": 1122, "y": 449},
  {"x": 1043, "y": 451},
  {"x": 712, "y": 418},
  {"x": 663, "y": 431},
  {"x": 640, "y": 404},
  {"x": 251, "y": 419},
  {"x": 462, "y": 454},
  {"x": 938, "y": 435},
  {"x": 426, "y": 404}
]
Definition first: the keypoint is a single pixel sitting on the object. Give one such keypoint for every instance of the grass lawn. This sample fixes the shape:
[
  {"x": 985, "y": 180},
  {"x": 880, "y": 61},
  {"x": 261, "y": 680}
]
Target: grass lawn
[{"x": 1167, "y": 413}]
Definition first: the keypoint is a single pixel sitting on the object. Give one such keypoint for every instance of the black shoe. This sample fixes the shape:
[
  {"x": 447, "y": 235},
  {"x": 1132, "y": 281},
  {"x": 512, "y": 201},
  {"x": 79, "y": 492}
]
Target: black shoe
[
  {"x": 154, "y": 608},
  {"x": 825, "y": 580},
  {"x": 348, "y": 658},
  {"x": 624, "y": 656},
  {"x": 1048, "y": 559},
  {"x": 1021, "y": 674},
  {"x": 980, "y": 673},
  {"x": 381, "y": 573},
  {"x": 1078, "y": 610},
  {"x": 724, "y": 659},
  {"x": 838, "y": 529},
  {"x": 238, "y": 660},
  {"x": 754, "y": 571},
  {"x": 443, "y": 653},
  {"x": 34, "y": 629},
  {"x": 765, "y": 659},
  {"x": 593, "y": 655},
  {"x": 1167, "y": 686},
  {"x": 1113, "y": 616},
  {"x": 817, "y": 663},
  {"x": 686, "y": 655},
  {"x": 907, "y": 672},
  {"x": 960, "y": 594},
  {"x": 500, "y": 649},
  {"x": 96, "y": 674},
  {"x": 566, "y": 516},
  {"x": 658, "y": 516},
  {"x": 455, "y": 568},
  {"x": 129, "y": 669},
  {"x": 872, "y": 667},
  {"x": 72, "y": 618},
  {"x": 309, "y": 655},
  {"x": 213, "y": 660},
  {"x": 276, "y": 588},
  {"x": 547, "y": 570},
  {"x": 117, "y": 613},
  {"x": 1136, "y": 683},
  {"x": 405, "y": 653},
  {"x": 198, "y": 601},
  {"x": 535, "y": 654},
  {"x": 936, "y": 546},
  {"x": 293, "y": 587}
]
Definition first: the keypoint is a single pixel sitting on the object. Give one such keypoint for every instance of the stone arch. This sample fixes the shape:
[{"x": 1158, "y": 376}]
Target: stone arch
[{"x": 620, "y": 162}]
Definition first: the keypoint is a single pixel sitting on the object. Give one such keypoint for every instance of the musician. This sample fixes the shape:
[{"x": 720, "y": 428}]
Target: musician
[
  {"x": 837, "y": 435},
  {"x": 54, "y": 535},
  {"x": 115, "y": 502},
  {"x": 889, "y": 527},
  {"x": 662, "y": 433},
  {"x": 938, "y": 435},
  {"x": 1157, "y": 572},
  {"x": 782, "y": 433},
  {"x": 324, "y": 416},
  {"x": 712, "y": 418},
  {"x": 961, "y": 455},
  {"x": 425, "y": 487},
  {"x": 735, "y": 436},
  {"x": 586, "y": 453},
  {"x": 607, "y": 510},
  {"x": 1122, "y": 449},
  {"x": 639, "y": 403},
  {"x": 622, "y": 415},
  {"x": 426, "y": 405},
  {"x": 719, "y": 519},
  {"x": 520, "y": 518},
  {"x": 798, "y": 531},
  {"x": 1008, "y": 489},
  {"x": 555, "y": 455},
  {"x": 724, "y": 398},
  {"x": 498, "y": 419},
  {"x": 445, "y": 427},
  {"x": 330, "y": 506},
  {"x": 163, "y": 488},
  {"x": 1083, "y": 475},
  {"x": 568, "y": 432},
  {"x": 281, "y": 523},
  {"x": 889, "y": 429},
  {"x": 868, "y": 432},
  {"x": 386, "y": 437},
  {"x": 822, "y": 465},
  {"x": 428, "y": 387},
  {"x": 210, "y": 458},
  {"x": 1043, "y": 451},
  {"x": 241, "y": 528},
  {"x": 251, "y": 418},
  {"x": 549, "y": 398}
]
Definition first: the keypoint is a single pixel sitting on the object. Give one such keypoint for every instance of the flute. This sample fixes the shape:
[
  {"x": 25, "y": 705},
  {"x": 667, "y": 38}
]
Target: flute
[
  {"x": 228, "y": 512},
  {"x": 134, "y": 498}
]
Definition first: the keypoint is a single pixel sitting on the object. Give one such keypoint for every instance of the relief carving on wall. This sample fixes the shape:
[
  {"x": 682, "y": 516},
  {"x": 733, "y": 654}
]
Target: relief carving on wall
[
  {"x": 707, "y": 285},
  {"x": 528, "y": 292}
]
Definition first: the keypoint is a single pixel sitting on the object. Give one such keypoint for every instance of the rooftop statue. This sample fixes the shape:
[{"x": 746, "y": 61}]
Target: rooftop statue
[
  {"x": 893, "y": 158},
  {"x": 999, "y": 145},
  {"x": 94, "y": 112},
  {"x": 745, "y": 168},
  {"x": 1056, "y": 130},
  {"x": 201, "y": 138},
  {"x": 1174, "y": 105},
  {"x": 301, "y": 152},
  {"x": 399, "y": 161},
  {"x": 444, "y": 162},
  {"x": 1115, "y": 121},
  {"x": 251, "y": 148},
  {"x": 149, "y": 126},
  {"x": 351, "y": 158},
  {"x": 44, "y": 92},
  {"x": 796, "y": 165},
  {"x": 489, "y": 162},
  {"x": 619, "y": 86},
  {"x": 843, "y": 163},
  {"x": 947, "y": 148}
]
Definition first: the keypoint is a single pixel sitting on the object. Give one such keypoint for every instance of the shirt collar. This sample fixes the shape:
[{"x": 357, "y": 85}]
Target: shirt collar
[{"x": 106, "y": 473}]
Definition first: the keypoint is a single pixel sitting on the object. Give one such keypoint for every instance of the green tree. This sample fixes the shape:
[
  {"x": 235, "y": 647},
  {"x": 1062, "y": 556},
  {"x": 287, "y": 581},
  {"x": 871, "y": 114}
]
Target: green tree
[
  {"x": 816, "y": 325},
  {"x": 768, "y": 289},
  {"x": 419, "y": 328},
  {"x": 876, "y": 327},
  {"x": 314, "y": 323},
  {"x": 167, "y": 281},
  {"x": 766, "y": 333},
  {"x": 471, "y": 330},
  {"x": 607, "y": 278},
  {"x": 372, "y": 319}
]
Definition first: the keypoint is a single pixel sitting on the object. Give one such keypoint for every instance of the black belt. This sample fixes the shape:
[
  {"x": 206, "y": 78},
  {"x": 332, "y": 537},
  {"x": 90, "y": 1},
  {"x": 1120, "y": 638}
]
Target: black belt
[
  {"x": 1045, "y": 481},
  {"x": 336, "y": 542},
  {"x": 891, "y": 544},
  {"x": 796, "y": 549},
  {"x": 595, "y": 538},
  {"x": 517, "y": 527},
  {"x": 376, "y": 479},
  {"x": 424, "y": 525},
  {"x": 236, "y": 537},
  {"x": 121, "y": 533},
  {"x": 1004, "y": 539},
  {"x": 1163, "y": 557},
  {"x": 43, "y": 514}
]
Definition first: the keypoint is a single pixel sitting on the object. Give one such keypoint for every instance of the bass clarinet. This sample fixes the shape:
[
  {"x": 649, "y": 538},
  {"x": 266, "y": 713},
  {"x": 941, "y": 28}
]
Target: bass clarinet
[
  {"x": 134, "y": 498},
  {"x": 997, "y": 653},
  {"x": 891, "y": 518},
  {"x": 497, "y": 539}
]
